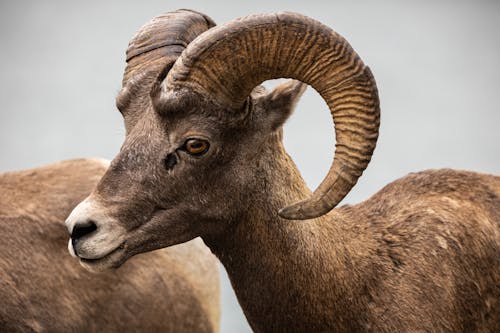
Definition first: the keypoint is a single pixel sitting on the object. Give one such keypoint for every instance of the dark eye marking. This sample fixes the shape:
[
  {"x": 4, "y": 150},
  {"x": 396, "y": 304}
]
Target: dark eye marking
[
  {"x": 170, "y": 161},
  {"x": 195, "y": 147}
]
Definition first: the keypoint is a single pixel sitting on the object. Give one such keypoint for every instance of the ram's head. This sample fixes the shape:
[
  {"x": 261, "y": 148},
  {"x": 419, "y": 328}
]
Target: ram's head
[{"x": 204, "y": 140}]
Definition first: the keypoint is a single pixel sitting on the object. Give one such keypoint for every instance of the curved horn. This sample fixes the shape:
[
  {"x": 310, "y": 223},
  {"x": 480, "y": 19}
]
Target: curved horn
[
  {"x": 224, "y": 64},
  {"x": 161, "y": 40}
]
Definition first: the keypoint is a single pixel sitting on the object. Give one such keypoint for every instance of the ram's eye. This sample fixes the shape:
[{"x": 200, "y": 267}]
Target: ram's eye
[{"x": 196, "y": 147}]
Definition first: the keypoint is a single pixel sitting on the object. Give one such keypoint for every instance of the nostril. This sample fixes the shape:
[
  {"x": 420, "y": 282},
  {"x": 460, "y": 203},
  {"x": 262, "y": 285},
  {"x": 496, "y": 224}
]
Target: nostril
[{"x": 82, "y": 229}]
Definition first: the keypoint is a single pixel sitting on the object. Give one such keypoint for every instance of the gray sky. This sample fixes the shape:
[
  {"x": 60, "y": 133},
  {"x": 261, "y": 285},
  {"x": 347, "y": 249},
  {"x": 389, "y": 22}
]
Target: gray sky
[{"x": 435, "y": 62}]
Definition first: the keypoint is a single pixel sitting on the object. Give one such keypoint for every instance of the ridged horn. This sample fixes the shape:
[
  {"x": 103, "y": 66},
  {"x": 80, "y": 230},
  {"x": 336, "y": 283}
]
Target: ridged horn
[
  {"x": 161, "y": 40},
  {"x": 225, "y": 63}
]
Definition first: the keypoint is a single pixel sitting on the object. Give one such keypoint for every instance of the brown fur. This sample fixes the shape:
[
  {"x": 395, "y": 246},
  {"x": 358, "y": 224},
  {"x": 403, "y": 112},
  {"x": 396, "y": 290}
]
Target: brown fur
[
  {"x": 421, "y": 255},
  {"x": 43, "y": 289}
]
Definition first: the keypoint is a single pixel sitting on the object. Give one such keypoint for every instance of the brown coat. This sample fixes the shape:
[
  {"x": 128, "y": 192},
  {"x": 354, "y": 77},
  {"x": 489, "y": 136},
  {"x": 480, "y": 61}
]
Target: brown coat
[
  {"x": 203, "y": 156},
  {"x": 43, "y": 289}
]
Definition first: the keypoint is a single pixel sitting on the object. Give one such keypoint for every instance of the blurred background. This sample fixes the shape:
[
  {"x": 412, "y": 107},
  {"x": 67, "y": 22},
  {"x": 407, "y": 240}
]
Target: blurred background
[{"x": 435, "y": 62}]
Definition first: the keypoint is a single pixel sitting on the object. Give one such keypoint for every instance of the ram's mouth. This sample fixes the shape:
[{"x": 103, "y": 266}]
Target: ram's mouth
[
  {"x": 133, "y": 244},
  {"x": 113, "y": 259}
]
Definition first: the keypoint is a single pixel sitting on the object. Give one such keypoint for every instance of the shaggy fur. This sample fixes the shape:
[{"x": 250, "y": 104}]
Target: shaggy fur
[
  {"x": 43, "y": 289},
  {"x": 422, "y": 255}
]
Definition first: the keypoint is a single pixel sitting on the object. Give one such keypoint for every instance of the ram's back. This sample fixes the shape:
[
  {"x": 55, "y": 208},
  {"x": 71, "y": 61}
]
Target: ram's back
[{"x": 437, "y": 239}]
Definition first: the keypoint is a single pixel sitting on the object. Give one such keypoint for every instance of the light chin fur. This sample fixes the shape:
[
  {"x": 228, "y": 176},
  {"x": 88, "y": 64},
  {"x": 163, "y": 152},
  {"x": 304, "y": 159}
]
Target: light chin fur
[
  {"x": 110, "y": 261},
  {"x": 96, "y": 267}
]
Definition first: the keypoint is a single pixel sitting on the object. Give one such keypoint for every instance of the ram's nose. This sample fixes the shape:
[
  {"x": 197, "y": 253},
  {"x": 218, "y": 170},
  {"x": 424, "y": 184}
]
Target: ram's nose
[
  {"x": 93, "y": 232},
  {"x": 78, "y": 232},
  {"x": 82, "y": 229},
  {"x": 79, "y": 222},
  {"x": 79, "y": 225}
]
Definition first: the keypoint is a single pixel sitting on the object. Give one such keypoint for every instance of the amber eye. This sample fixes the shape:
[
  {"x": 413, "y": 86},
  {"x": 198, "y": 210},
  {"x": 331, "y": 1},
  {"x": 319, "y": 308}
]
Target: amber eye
[{"x": 196, "y": 147}]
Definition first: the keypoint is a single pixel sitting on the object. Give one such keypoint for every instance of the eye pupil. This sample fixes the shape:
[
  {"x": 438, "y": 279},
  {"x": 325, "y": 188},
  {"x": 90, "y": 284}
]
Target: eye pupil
[{"x": 196, "y": 146}]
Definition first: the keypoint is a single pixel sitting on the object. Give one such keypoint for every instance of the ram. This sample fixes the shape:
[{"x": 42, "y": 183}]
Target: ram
[
  {"x": 204, "y": 157},
  {"x": 43, "y": 289}
]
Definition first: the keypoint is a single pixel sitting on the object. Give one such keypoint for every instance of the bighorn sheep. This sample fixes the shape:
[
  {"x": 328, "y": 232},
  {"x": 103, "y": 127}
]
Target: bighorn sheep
[
  {"x": 204, "y": 157},
  {"x": 42, "y": 289}
]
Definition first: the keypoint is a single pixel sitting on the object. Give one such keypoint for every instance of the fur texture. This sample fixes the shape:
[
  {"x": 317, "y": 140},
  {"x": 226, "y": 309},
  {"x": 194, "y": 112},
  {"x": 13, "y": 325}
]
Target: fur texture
[
  {"x": 43, "y": 289},
  {"x": 422, "y": 255}
]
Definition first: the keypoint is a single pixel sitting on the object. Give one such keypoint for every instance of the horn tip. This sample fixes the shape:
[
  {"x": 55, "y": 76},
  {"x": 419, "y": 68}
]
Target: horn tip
[
  {"x": 287, "y": 214},
  {"x": 296, "y": 212}
]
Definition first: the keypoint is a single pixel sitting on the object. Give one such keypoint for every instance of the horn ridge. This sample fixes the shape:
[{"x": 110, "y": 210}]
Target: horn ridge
[
  {"x": 225, "y": 63},
  {"x": 162, "y": 39}
]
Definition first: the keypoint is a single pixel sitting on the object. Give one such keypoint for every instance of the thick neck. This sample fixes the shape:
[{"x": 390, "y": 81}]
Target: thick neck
[{"x": 287, "y": 275}]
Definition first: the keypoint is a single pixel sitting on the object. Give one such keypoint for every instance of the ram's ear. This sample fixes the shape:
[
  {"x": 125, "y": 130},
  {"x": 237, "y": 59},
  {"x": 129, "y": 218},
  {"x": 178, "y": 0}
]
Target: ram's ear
[{"x": 279, "y": 104}]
